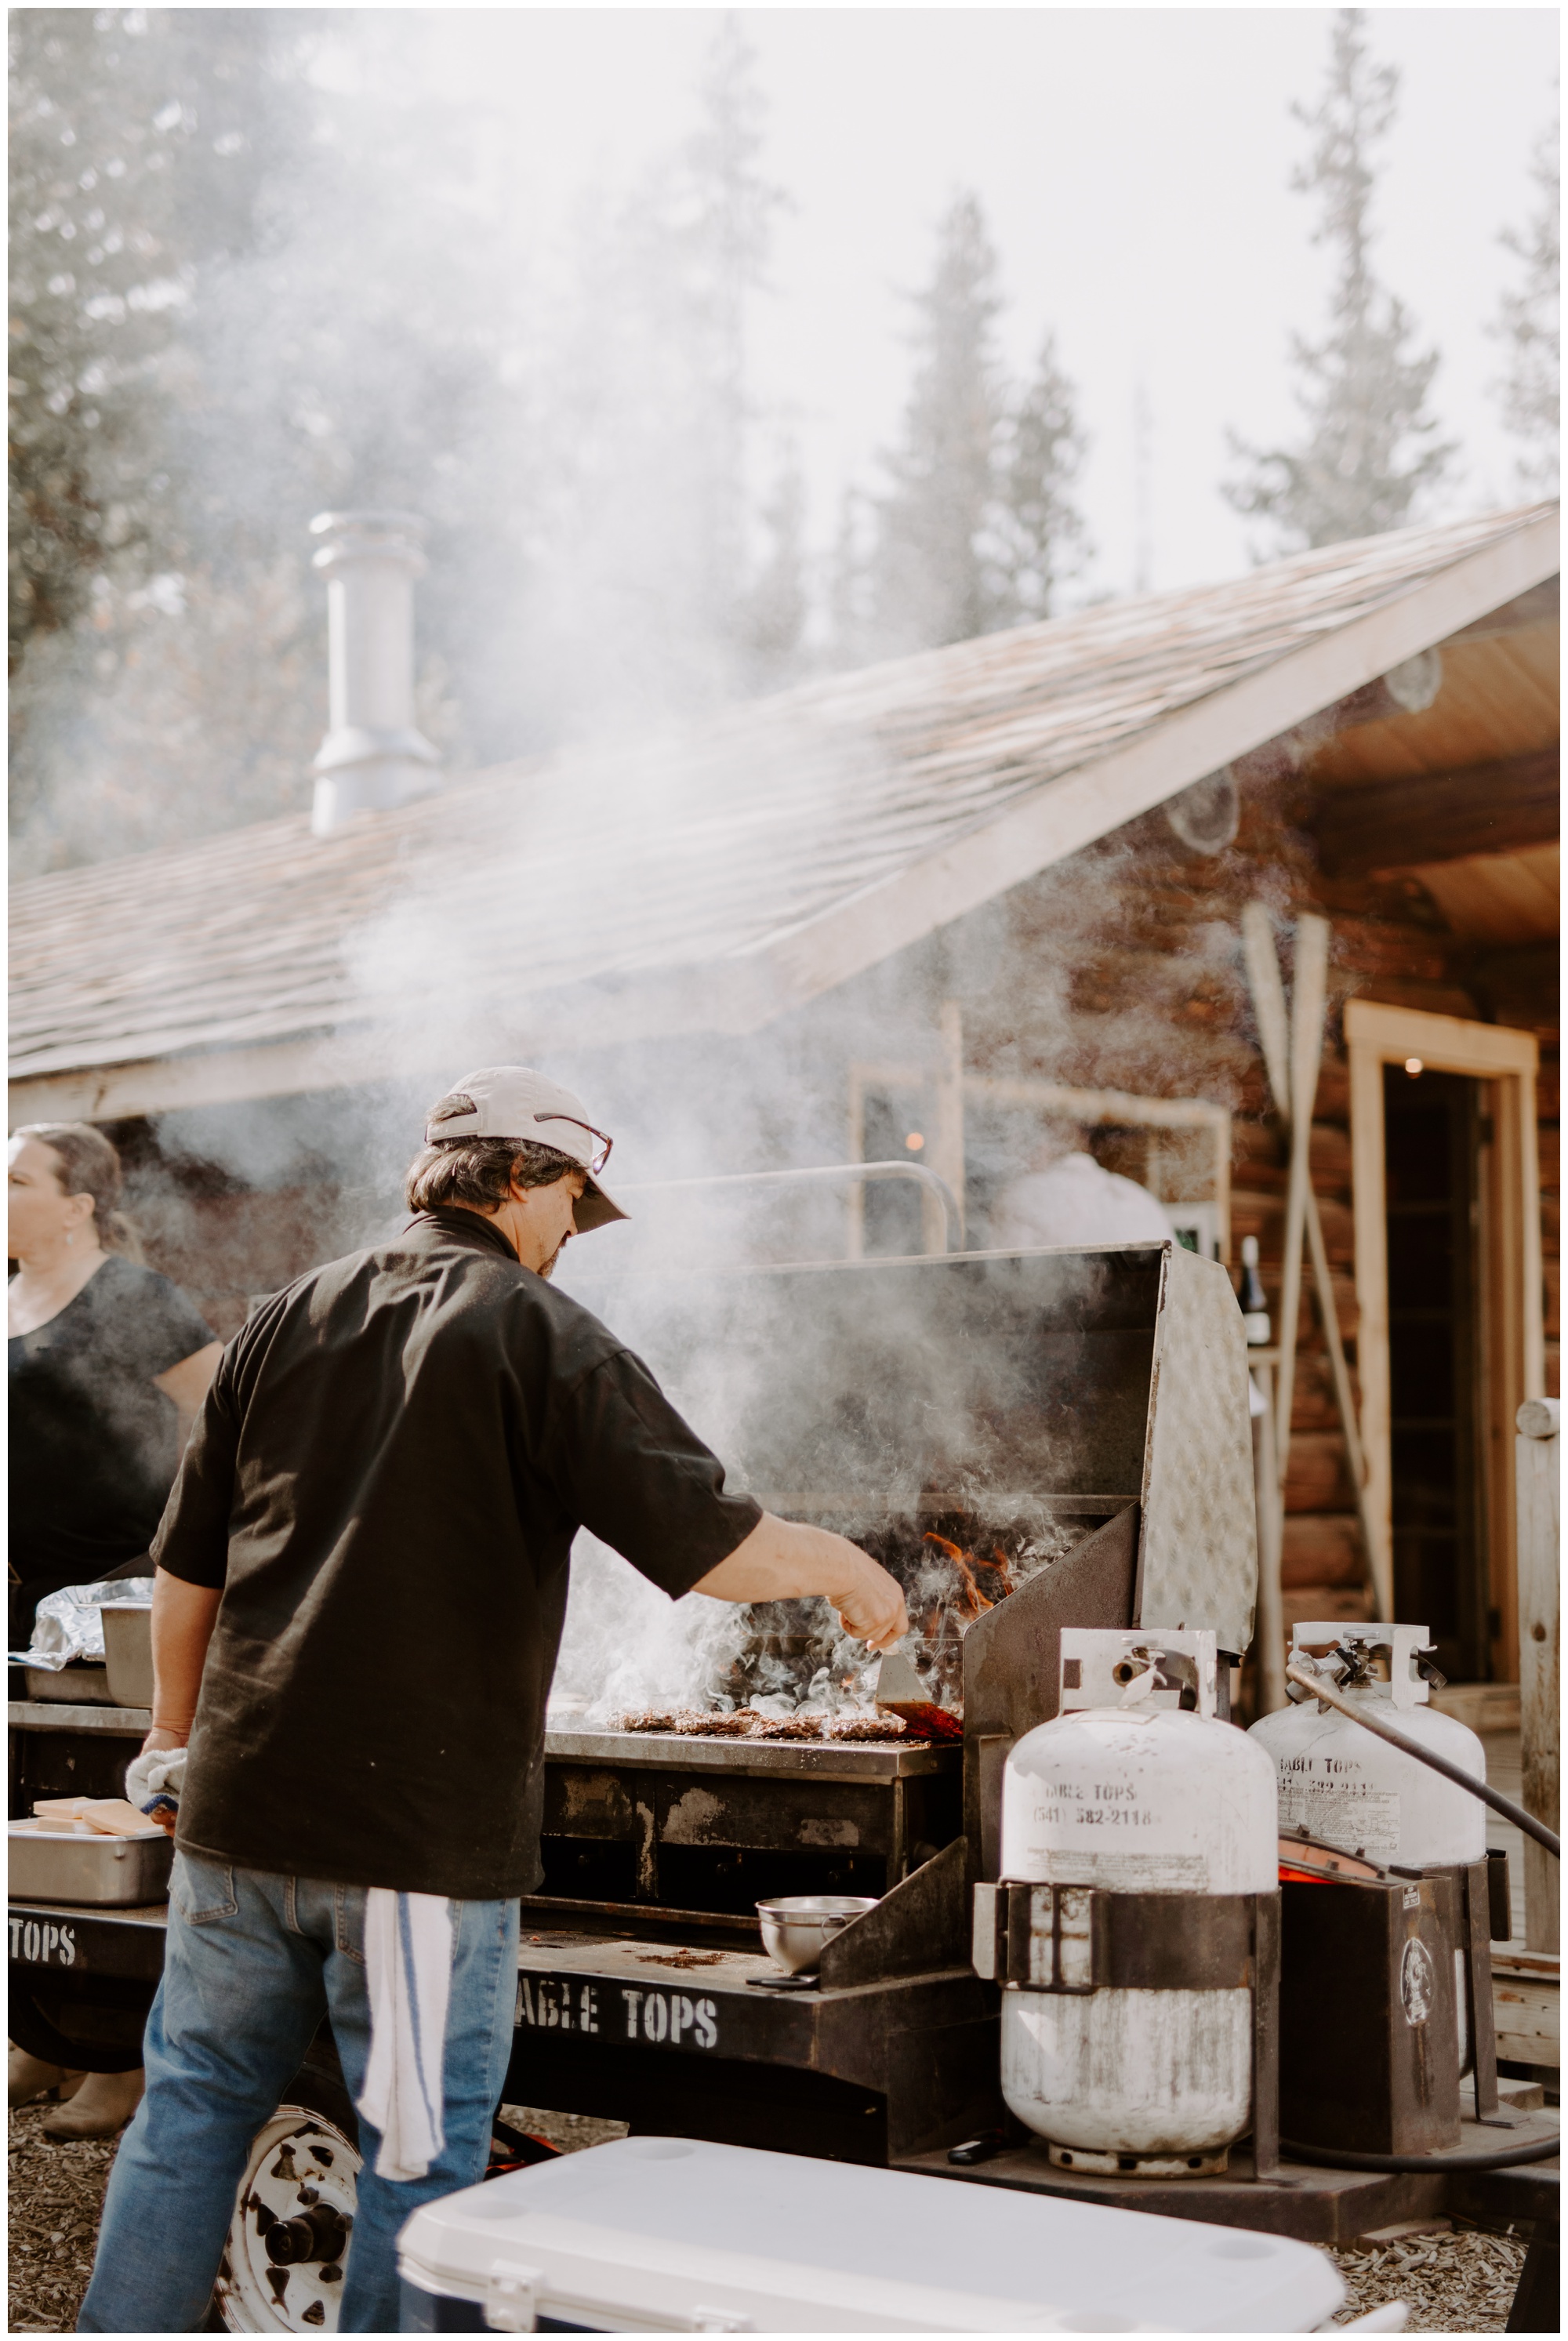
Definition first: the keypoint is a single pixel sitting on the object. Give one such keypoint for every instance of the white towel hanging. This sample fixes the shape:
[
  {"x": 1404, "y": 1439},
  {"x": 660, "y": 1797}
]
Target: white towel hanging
[{"x": 408, "y": 1977}]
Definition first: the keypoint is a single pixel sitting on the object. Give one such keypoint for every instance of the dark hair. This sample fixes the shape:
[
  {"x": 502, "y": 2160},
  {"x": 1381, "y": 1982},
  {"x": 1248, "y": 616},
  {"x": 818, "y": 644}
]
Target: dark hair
[
  {"x": 478, "y": 1171},
  {"x": 89, "y": 1166}
]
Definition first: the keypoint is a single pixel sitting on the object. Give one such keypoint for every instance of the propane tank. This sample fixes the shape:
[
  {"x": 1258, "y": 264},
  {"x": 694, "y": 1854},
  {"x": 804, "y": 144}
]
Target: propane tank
[
  {"x": 1136, "y": 1830},
  {"x": 1345, "y": 1786}
]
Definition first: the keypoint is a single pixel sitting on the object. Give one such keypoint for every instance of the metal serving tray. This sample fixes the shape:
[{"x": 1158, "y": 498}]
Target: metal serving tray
[
  {"x": 75, "y": 1686},
  {"x": 68, "y": 1866},
  {"x": 129, "y": 1652}
]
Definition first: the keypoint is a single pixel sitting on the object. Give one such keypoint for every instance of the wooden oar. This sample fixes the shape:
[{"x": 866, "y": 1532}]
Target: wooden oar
[
  {"x": 1308, "y": 996},
  {"x": 1274, "y": 1035}
]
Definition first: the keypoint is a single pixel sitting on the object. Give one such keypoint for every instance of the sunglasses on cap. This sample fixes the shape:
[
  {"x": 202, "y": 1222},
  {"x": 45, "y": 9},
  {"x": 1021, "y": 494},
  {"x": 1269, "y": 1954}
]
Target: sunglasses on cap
[{"x": 595, "y": 1163}]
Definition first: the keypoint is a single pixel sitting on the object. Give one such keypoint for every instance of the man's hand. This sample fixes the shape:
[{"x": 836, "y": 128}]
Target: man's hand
[
  {"x": 154, "y": 1783},
  {"x": 872, "y": 1608},
  {"x": 781, "y": 1560}
]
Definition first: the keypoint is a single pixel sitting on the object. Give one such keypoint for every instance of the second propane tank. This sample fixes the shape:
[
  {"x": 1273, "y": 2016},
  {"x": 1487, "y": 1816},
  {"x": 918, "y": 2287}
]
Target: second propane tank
[
  {"x": 1138, "y": 1833},
  {"x": 1343, "y": 1786}
]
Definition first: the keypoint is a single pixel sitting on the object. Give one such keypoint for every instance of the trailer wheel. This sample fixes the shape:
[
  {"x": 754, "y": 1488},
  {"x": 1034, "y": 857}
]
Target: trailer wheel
[{"x": 298, "y": 2196}]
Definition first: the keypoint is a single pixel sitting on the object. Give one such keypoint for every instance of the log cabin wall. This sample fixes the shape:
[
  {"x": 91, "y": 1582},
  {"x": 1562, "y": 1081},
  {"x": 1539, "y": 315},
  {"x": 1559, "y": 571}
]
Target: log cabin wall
[
  {"x": 237, "y": 1201},
  {"x": 224, "y": 1244},
  {"x": 1130, "y": 977}
]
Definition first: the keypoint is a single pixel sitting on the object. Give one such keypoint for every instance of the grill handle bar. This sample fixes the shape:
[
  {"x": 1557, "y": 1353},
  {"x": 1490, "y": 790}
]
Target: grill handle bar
[
  {"x": 1454, "y": 1772},
  {"x": 869, "y": 1173}
]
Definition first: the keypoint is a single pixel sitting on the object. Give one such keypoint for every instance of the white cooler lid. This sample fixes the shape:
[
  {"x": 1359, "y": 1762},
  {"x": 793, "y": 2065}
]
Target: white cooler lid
[{"x": 652, "y": 2234}]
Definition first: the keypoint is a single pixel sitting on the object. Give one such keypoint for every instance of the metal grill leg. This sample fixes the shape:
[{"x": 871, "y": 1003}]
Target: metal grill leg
[
  {"x": 1537, "y": 2299},
  {"x": 1265, "y": 2036},
  {"x": 1478, "y": 1986}
]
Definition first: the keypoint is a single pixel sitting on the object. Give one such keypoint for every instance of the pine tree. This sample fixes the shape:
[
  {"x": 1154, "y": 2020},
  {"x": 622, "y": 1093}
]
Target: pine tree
[
  {"x": 326, "y": 349},
  {"x": 1371, "y": 453},
  {"x": 979, "y": 530},
  {"x": 936, "y": 573},
  {"x": 1044, "y": 542},
  {"x": 651, "y": 545},
  {"x": 140, "y": 142},
  {"x": 848, "y": 623},
  {"x": 727, "y": 243},
  {"x": 775, "y": 606},
  {"x": 1529, "y": 325}
]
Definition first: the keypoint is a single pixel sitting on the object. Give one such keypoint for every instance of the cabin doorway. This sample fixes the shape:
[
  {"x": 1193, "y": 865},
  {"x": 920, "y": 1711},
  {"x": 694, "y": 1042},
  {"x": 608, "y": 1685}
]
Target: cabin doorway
[
  {"x": 1449, "y": 1341},
  {"x": 1434, "y": 1132}
]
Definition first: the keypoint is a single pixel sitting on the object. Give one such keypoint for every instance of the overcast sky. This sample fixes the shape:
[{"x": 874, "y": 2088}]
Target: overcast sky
[{"x": 1133, "y": 163}]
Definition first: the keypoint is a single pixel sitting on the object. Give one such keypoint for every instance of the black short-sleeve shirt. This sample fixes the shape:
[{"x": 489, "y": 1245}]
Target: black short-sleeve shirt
[
  {"x": 93, "y": 1442},
  {"x": 386, "y": 1481}
]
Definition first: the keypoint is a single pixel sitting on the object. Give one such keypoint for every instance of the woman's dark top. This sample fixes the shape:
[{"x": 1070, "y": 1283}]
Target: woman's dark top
[{"x": 94, "y": 1446}]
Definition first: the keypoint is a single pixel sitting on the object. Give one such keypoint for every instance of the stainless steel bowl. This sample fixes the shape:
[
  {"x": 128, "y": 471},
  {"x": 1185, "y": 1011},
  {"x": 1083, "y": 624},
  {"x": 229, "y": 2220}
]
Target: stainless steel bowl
[{"x": 795, "y": 1927}]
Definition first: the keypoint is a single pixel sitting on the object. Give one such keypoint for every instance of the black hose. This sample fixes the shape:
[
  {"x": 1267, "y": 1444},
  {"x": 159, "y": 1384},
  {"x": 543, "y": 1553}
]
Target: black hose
[
  {"x": 1454, "y": 1772},
  {"x": 1330, "y": 2157}
]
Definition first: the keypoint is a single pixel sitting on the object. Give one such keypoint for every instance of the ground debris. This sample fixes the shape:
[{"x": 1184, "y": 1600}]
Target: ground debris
[
  {"x": 570, "y": 2132},
  {"x": 1459, "y": 2283},
  {"x": 56, "y": 2191},
  {"x": 56, "y": 2194},
  {"x": 1453, "y": 2283}
]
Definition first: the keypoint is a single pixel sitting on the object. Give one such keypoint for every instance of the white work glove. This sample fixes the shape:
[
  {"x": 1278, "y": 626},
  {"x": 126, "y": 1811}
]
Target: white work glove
[{"x": 154, "y": 1783}]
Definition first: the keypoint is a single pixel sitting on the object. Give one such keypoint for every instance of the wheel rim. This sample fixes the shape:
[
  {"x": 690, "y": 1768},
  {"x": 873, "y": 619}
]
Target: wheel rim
[{"x": 302, "y": 2170}]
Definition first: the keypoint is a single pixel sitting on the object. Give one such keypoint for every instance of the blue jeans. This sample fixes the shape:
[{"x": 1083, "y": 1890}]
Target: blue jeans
[{"x": 252, "y": 1965}]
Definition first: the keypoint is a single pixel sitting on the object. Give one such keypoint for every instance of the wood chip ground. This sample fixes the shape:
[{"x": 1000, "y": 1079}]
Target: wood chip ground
[
  {"x": 1453, "y": 2283},
  {"x": 57, "y": 2192},
  {"x": 56, "y": 2195},
  {"x": 1459, "y": 2283}
]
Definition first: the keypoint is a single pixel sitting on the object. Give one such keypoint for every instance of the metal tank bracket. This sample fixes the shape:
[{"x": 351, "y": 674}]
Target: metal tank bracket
[{"x": 1085, "y": 1938}]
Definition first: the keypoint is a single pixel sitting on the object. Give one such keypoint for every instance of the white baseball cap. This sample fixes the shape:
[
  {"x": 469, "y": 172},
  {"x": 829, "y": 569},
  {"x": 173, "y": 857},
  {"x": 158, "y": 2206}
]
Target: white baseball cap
[{"x": 513, "y": 1102}]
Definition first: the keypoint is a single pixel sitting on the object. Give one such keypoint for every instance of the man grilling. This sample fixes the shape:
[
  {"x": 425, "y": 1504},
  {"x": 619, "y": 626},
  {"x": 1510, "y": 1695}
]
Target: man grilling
[{"x": 363, "y": 1572}]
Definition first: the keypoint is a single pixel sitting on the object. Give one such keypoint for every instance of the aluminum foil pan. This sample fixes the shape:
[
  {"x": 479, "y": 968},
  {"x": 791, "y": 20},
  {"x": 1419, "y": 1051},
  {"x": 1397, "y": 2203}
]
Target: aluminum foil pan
[{"x": 69, "y": 1624}]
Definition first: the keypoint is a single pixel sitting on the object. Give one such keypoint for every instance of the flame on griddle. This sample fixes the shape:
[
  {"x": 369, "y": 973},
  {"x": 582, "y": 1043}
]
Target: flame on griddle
[{"x": 969, "y": 1600}]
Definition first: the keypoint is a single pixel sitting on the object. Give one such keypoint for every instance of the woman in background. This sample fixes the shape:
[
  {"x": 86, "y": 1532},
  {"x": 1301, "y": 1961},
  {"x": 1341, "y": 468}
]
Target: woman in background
[{"x": 109, "y": 1363}]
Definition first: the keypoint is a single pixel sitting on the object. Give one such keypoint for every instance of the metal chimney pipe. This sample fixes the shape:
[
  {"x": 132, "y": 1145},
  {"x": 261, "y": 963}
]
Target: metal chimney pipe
[{"x": 373, "y": 756}]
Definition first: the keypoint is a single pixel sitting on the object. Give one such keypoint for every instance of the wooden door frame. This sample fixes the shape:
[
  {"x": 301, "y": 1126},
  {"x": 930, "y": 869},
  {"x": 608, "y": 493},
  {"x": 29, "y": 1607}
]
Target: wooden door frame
[{"x": 1377, "y": 1036}]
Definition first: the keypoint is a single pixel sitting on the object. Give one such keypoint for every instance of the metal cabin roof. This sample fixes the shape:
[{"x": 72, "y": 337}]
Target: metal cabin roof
[{"x": 711, "y": 877}]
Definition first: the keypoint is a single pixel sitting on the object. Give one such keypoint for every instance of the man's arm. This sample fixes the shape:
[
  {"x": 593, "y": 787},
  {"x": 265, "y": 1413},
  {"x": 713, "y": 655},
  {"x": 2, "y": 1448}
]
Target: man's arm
[
  {"x": 782, "y": 1560},
  {"x": 183, "y": 1620},
  {"x": 190, "y": 1562},
  {"x": 641, "y": 1479}
]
